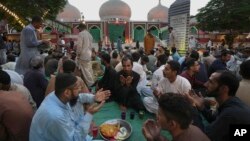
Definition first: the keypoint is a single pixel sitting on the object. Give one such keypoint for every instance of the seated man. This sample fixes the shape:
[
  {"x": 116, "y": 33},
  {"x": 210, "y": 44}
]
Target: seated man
[
  {"x": 172, "y": 82},
  {"x": 193, "y": 67},
  {"x": 61, "y": 116},
  {"x": 7, "y": 85},
  {"x": 174, "y": 117},
  {"x": 107, "y": 82},
  {"x": 16, "y": 115},
  {"x": 127, "y": 80},
  {"x": 223, "y": 86}
]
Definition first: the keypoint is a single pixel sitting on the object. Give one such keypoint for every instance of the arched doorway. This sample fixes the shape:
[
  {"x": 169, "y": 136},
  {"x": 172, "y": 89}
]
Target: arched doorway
[
  {"x": 154, "y": 31},
  {"x": 96, "y": 33},
  {"x": 116, "y": 30},
  {"x": 139, "y": 33}
]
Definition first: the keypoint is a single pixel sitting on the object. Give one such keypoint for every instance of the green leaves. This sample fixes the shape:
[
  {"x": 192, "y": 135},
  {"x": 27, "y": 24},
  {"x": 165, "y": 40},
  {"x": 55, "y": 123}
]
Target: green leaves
[
  {"x": 224, "y": 15},
  {"x": 26, "y": 9}
]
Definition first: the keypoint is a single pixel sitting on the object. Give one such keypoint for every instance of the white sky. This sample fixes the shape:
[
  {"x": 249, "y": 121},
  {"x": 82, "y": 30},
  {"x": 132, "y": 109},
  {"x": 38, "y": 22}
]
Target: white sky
[{"x": 139, "y": 8}]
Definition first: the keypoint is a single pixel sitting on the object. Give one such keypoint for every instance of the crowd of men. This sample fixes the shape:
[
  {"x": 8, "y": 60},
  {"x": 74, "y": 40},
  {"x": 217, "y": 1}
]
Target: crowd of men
[{"x": 54, "y": 97}]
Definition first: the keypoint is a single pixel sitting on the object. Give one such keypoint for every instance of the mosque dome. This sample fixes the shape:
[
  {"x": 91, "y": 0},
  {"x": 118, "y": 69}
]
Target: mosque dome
[
  {"x": 69, "y": 14},
  {"x": 115, "y": 10},
  {"x": 158, "y": 13}
]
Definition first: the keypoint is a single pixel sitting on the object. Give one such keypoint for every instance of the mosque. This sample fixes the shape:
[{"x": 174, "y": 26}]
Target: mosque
[{"x": 114, "y": 22}]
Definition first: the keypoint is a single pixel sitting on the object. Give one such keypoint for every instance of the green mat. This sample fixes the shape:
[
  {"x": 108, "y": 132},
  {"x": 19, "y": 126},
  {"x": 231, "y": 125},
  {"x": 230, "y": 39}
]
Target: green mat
[{"x": 111, "y": 110}]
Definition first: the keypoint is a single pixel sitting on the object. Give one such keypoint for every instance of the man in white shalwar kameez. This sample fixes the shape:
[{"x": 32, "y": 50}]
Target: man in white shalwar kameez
[{"x": 84, "y": 47}]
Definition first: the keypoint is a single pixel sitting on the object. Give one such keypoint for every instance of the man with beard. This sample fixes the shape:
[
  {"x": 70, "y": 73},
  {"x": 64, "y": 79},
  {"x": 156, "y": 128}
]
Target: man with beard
[
  {"x": 223, "y": 86},
  {"x": 127, "y": 80},
  {"x": 61, "y": 116}
]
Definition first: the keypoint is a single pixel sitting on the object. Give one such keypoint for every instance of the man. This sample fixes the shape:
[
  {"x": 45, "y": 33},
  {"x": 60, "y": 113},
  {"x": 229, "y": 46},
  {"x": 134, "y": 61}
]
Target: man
[
  {"x": 16, "y": 112},
  {"x": 157, "y": 76},
  {"x": 83, "y": 51},
  {"x": 192, "y": 43},
  {"x": 60, "y": 44},
  {"x": 172, "y": 82},
  {"x": 61, "y": 116},
  {"x": 222, "y": 86},
  {"x": 149, "y": 42},
  {"x": 10, "y": 64},
  {"x": 193, "y": 68},
  {"x": 35, "y": 80},
  {"x": 108, "y": 80},
  {"x": 220, "y": 64},
  {"x": 16, "y": 115},
  {"x": 127, "y": 80},
  {"x": 68, "y": 66},
  {"x": 29, "y": 45},
  {"x": 174, "y": 115},
  {"x": 175, "y": 54},
  {"x": 119, "y": 44},
  {"x": 2, "y": 51},
  {"x": 7, "y": 85},
  {"x": 243, "y": 91},
  {"x": 151, "y": 61},
  {"x": 172, "y": 38}
]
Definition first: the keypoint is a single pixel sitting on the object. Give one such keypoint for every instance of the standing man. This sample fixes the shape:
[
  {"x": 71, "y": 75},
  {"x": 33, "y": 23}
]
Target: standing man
[
  {"x": 83, "y": 51},
  {"x": 172, "y": 38},
  {"x": 192, "y": 43},
  {"x": 119, "y": 44},
  {"x": 29, "y": 45},
  {"x": 149, "y": 42}
]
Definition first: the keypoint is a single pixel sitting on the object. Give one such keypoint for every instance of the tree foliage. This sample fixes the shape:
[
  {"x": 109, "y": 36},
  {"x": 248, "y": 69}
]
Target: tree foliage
[
  {"x": 225, "y": 15},
  {"x": 26, "y": 9}
]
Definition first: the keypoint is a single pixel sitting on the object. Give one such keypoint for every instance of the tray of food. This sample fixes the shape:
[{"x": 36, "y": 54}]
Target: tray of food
[{"x": 115, "y": 130}]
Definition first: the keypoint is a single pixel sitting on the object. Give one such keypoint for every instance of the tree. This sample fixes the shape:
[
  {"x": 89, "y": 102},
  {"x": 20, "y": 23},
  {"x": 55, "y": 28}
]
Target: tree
[
  {"x": 26, "y": 9},
  {"x": 230, "y": 16}
]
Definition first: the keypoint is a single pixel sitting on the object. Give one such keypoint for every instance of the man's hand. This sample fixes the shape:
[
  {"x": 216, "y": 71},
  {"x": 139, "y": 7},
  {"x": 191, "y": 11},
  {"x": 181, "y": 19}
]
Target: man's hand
[
  {"x": 129, "y": 80},
  {"x": 93, "y": 108},
  {"x": 151, "y": 130},
  {"x": 123, "y": 80},
  {"x": 102, "y": 95},
  {"x": 157, "y": 93},
  {"x": 196, "y": 99}
]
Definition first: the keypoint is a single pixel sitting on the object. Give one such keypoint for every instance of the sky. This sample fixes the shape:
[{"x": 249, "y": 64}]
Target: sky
[{"x": 139, "y": 8}]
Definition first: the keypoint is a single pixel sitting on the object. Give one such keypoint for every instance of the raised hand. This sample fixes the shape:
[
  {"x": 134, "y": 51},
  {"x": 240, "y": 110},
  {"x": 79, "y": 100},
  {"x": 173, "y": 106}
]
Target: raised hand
[
  {"x": 196, "y": 99},
  {"x": 129, "y": 80},
  {"x": 122, "y": 79},
  {"x": 151, "y": 130},
  {"x": 102, "y": 95}
]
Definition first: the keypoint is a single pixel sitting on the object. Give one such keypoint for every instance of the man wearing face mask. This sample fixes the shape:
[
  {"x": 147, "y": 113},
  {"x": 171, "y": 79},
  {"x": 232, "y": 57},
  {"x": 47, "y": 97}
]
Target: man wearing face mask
[{"x": 61, "y": 116}]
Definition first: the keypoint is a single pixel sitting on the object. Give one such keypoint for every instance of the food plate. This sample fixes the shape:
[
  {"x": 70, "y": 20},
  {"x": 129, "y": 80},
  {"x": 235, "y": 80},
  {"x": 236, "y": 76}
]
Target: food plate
[{"x": 115, "y": 130}]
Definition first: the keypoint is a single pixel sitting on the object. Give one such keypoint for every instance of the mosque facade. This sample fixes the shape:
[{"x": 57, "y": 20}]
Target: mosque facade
[{"x": 114, "y": 22}]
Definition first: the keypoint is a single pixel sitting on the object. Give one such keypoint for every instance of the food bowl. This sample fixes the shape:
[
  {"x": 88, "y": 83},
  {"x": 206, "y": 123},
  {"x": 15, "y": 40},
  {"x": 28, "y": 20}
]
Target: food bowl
[{"x": 122, "y": 128}]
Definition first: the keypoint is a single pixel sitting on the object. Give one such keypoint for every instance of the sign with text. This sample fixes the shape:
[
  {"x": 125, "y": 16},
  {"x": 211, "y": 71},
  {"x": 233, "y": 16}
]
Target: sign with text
[{"x": 179, "y": 24}]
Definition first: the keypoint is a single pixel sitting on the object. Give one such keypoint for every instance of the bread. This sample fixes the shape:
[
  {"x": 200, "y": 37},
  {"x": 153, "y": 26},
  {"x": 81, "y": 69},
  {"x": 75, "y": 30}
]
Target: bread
[{"x": 109, "y": 130}]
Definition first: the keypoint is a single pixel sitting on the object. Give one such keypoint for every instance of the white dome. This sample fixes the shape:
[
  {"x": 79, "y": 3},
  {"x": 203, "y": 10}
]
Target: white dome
[
  {"x": 114, "y": 9},
  {"x": 158, "y": 13},
  {"x": 69, "y": 14}
]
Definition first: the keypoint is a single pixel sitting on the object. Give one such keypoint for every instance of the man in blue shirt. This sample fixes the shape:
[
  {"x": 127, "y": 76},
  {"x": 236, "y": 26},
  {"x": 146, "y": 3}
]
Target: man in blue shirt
[
  {"x": 220, "y": 64},
  {"x": 61, "y": 116}
]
